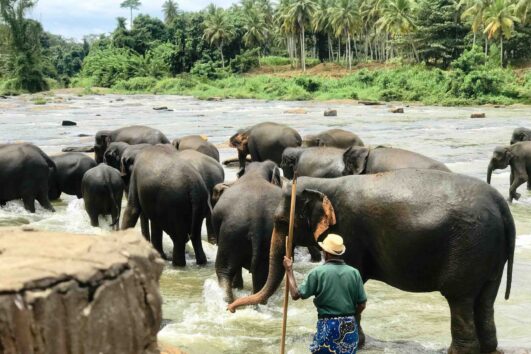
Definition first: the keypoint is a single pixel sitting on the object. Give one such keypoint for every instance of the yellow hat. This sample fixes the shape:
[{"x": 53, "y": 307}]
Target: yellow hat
[{"x": 333, "y": 244}]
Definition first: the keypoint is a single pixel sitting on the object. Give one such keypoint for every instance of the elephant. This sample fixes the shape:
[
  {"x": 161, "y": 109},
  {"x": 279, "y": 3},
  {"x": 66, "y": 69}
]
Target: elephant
[
  {"x": 363, "y": 160},
  {"x": 521, "y": 134},
  {"x": 325, "y": 162},
  {"x": 136, "y": 134},
  {"x": 102, "y": 189},
  {"x": 113, "y": 155},
  {"x": 518, "y": 156},
  {"x": 169, "y": 192},
  {"x": 25, "y": 174},
  {"x": 127, "y": 162},
  {"x": 70, "y": 169},
  {"x": 197, "y": 143},
  {"x": 264, "y": 141},
  {"x": 338, "y": 138},
  {"x": 416, "y": 230}
]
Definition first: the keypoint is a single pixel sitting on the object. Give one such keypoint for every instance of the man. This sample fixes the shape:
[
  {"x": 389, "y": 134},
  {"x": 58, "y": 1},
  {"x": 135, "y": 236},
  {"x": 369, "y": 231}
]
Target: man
[{"x": 339, "y": 296}]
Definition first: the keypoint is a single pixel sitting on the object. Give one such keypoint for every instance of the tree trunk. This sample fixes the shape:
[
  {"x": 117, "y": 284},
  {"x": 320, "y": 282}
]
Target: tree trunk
[
  {"x": 486, "y": 46},
  {"x": 303, "y": 48},
  {"x": 501, "y": 49},
  {"x": 221, "y": 52},
  {"x": 474, "y": 40},
  {"x": 349, "y": 52},
  {"x": 338, "y": 50},
  {"x": 131, "y": 19},
  {"x": 330, "y": 51}
]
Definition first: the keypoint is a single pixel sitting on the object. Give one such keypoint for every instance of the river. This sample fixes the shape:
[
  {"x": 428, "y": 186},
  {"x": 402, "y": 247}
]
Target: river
[{"x": 395, "y": 321}]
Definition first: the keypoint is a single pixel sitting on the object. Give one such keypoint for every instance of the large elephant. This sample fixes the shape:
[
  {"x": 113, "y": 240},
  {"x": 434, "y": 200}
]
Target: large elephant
[
  {"x": 172, "y": 195},
  {"x": 197, "y": 143},
  {"x": 264, "y": 141},
  {"x": 338, "y": 138},
  {"x": 136, "y": 134},
  {"x": 70, "y": 169},
  {"x": 25, "y": 174},
  {"x": 416, "y": 230},
  {"x": 102, "y": 189},
  {"x": 127, "y": 162},
  {"x": 363, "y": 160},
  {"x": 521, "y": 134},
  {"x": 518, "y": 156},
  {"x": 113, "y": 154},
  {"x": 325, "y": 162}
]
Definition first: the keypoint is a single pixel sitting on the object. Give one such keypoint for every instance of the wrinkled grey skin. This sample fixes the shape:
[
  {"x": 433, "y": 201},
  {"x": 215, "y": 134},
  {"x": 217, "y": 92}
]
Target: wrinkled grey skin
[
  {"x": 102, "y": 189},
  {"x": 337, "y": 138},
  {"x": 521, "y": 134},
  {"x": 518, "y": 156},
  {"x": 25, "y": 174},
  {"x": 169, "y": 192},
  {"x": 264, "y": 141},
  {"x": 114, "y": 152},
  {"x": 70, "y": 169},
  {"x": 324, "y": 162},
  {"x": 197, "y": 143},
  {"x": 136, "y": 134},
  {"x": 127, "y": 161},
  {"x": 416, "y": 230},
  {"x": 363, "y": 160}
]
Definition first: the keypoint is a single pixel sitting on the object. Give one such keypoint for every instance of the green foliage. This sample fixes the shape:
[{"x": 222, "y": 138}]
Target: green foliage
[
  {"x": 136, "y": 84},
  {"x": 208, "y": 70},
  {"x": 308, "y": 84},
  {"x": 108, "y": 66},
  {"x": 275, "y": 61},
  {"x": 163, "y": 60},
  {"x": 244, "y": 62},
  {"x": 470, "y": 60}
]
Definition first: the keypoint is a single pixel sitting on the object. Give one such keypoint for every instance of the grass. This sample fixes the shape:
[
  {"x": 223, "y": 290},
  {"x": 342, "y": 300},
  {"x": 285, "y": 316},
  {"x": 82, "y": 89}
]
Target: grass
[{"x": 39, "y": 100}]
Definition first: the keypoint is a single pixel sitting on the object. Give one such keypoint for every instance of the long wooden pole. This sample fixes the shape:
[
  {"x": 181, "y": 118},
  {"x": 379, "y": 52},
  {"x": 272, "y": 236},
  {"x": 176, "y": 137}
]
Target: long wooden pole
[{"x": 289, "y": 247}]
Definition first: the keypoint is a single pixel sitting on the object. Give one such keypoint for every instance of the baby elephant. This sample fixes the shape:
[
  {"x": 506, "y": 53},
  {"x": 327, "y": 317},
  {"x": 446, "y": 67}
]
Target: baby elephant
[
  {"x": 518, "y": 156},
  {"x": 102, "y": 190}
]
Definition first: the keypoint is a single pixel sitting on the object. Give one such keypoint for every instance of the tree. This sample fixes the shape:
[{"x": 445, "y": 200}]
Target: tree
[
  {"x": 218, "y": 29},
  {"x": 522, "y": 10},
  {"x": 345, "y": 20},
  {"x": 301, "y": 11},
  {"x": 131, "y": 5},
  {"x": 256, "y": 29},
  {"x": 499, "y": 21},
  {"x": 171, "y": 10},
  {"x": 398, "y": 19},
  {"x": 475, "y": 12},
  {"x": 25, "y": 61},
  {"x": 322, "y": 22}
]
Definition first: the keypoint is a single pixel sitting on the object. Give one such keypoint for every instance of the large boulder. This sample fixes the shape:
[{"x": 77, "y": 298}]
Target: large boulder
[{"x": 65, "y": 293}]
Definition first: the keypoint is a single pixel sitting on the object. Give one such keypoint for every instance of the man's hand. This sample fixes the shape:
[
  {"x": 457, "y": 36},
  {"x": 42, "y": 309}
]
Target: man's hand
[{"x": 288, "y": 264}]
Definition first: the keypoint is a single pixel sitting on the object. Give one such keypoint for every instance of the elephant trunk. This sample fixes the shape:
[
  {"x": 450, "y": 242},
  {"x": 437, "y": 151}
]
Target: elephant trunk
[
  {"x": 489, "y": 172},
  {"x": 274, "y": 277}
]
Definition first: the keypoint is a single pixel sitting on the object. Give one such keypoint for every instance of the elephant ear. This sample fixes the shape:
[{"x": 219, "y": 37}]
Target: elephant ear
[
  {"x": 176, "y": 143},
  {"x": 508, "y": 155},
  {"x": 239, "y": 140},
  {"x": 124, "y": 166},
  {"x": 275, "y": 177},
  {"x": 320, "y": 211},
  {"x": 355, "y": 160},
  {"x": 218, "y": 190}
]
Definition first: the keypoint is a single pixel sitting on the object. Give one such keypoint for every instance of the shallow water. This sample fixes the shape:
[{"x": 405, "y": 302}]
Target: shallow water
[{"x": 395, "y": 321}]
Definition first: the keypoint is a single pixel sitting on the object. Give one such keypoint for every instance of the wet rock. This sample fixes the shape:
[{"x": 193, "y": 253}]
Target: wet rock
[
  {"x": 67, "y": 293},
  {"x": 88, "y": 148},
  {"x": 68, "y": 123},
  {"x": 296, "y": 111},
  {"x": 161, "y": 108},
  {"x": 216, "y": 99},
  {"x": 478, "y": 115},
  {"x": 370, "y": 103},
  {"x": 83, "y": 135},
  {"x": 397, "y": 110},
  {"x": 330, "y": 113},
  {"x": 2, "y": 97},
  {"x": 120, "y": 100},
  {"x": 98, "y": 115}
]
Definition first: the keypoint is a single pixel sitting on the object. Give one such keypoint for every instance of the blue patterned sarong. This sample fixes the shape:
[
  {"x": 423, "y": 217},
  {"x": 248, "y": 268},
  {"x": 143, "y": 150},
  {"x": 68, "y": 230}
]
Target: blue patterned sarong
[{"x": 337, "y": 335}]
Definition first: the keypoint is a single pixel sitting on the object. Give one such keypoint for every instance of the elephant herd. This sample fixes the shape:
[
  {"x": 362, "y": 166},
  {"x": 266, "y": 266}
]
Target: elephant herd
[{"x": 406, "y": 219}]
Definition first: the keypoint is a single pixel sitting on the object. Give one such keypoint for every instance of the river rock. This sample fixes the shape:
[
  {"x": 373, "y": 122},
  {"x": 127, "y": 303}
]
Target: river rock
[
  {"x": 370, "y": 103},
  {"x": 88, "y": 148},
  {"x": 397, "y": 110},
  {"x": 478, "y": 115},
  {"x": 296, "y": 111},
  {"x": 68, "y": 123},
  {"x": 330, "y": 113},
  {"x": 215, "y": 99},
  {"x": 161, "y": 108},
  {"x": 64, "y": 293}
]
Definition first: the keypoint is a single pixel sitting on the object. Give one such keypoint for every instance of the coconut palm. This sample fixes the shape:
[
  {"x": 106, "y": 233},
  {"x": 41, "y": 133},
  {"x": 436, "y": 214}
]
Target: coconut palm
[
  {"x": 523, "y": 7},
  {"x": 398, "y": 19},
  {"x": 475, "y": 13},
  {"x": 256, "y": 29},
  {"x": 132, "y": 5},
  {"x": 301, "y": 11},
  {"x": 322, "y": 23},
  {"x": 499, "y": 21},
  {"x": 345, "y": 20},
  {"x": 170, "y": 10},
  {"x": 218, "y": 29},
  {"x": 286, "y": 27}
]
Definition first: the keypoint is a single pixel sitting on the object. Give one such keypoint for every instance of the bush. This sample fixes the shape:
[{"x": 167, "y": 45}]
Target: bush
[
  {"x": 470, "y": 60},
  {"x": 162, "y": 60},
  {"x": 307, "y": 83},
  {"x": 275, "y": 61},
  {"x": 136, "y": 84},
  {"x": 208, "y": 70},
  {"x": 176, "y": 85},
  {"x": 244, "y": 62}
]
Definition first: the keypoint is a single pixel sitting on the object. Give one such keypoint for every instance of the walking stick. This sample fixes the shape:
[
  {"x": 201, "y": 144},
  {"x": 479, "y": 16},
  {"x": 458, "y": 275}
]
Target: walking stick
[{"x": 289, "y": 247}]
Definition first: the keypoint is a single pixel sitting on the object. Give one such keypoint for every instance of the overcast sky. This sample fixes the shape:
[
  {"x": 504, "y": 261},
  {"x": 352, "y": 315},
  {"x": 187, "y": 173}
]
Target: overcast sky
[{"x": 76, "y": 18}]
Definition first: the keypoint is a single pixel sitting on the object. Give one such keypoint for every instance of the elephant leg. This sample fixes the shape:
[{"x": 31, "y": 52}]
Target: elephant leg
[
  {"x": 225, "y": 282},
  {"x": 361, "y": 334},
  {"x": 94, "y": 222},
  {"x": 484, "y": 317},
  {"x": 518, "y": 181},
  {"x": 528, "y": 184},
  {"x": 464, "y": 337},
  {"x": 144, "y": 226},
  {"x": 260, "y": 275},
  {"x": 211, "y": 236},
  {"x": 237, "y": 280},
  {"x": 195, "y": 237},
  {"x": 43, "y": 200},
  {"x": 156, "y": 238},
  {"x": 29, "y": 203},
  {"x": 315, "y": 252},
  {"x": 179, "y": 244}
]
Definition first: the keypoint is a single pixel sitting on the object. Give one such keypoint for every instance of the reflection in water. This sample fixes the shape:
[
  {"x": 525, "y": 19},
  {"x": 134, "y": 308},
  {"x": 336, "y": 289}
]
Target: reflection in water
[{"x": 395, "y": 321}]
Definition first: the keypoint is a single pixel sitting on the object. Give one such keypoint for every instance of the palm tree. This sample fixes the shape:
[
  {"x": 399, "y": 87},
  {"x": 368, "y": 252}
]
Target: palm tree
[
  {"x": 398, "y": 19},
  {"x": 218, "y": 29},
  {"x": 499, "y": 21},
  {"x": 522, "y": 9},
  {"x": 302, "y": 12},
  {"x": 475, "y": 12},
  {"x": 322, "y": 23},
  {"x": 256, "y": 29},
  {"x": 171, "y": 10},
  {"x": 287, "y": 27},
  {"x": 132, "y": 5},
  {"x": 345, "y": 20}
]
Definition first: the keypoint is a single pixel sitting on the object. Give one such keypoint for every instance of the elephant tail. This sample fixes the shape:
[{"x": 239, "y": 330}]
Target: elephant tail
[
  {"x": 114, "y": 201},
  {"x": 510, "y": 238}
]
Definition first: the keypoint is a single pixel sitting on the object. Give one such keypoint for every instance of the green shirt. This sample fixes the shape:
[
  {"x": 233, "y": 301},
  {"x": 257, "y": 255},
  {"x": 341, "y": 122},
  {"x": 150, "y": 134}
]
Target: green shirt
[{"x": 338, "y": 288}]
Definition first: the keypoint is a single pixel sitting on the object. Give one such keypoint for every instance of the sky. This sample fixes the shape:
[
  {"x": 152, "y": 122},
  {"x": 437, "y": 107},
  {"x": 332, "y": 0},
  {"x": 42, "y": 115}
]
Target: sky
[{"x": 77, "y": 18}]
